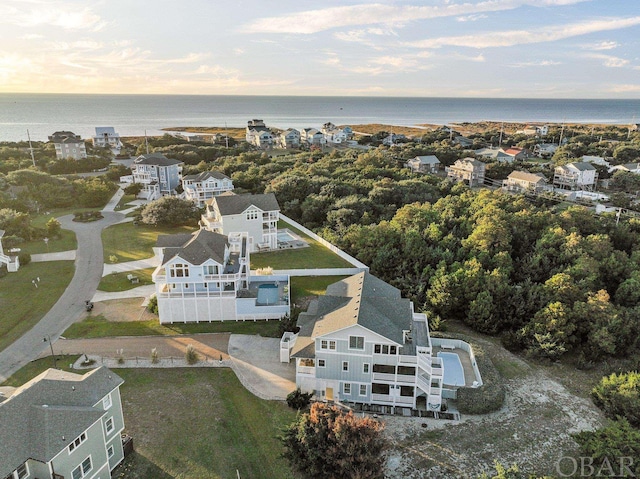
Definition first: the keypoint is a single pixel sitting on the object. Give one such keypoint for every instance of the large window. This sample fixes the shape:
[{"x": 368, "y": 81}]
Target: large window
[
  {"x": 377, "y": 388},
  {"x": 356, "y": 342},
  {"x": 211, "y": 269},
  {"x": 79, "y": 440},
  {"x": 252, "y": 215},
  {"x": 385, "y": 349},
  {"x": 83, "y": 469},
  {"x": 179, "y": 270}
]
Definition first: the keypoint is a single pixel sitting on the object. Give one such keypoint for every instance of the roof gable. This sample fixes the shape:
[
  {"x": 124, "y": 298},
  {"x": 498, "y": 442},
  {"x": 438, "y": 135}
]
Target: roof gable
[{"x": 232, "y": 204}]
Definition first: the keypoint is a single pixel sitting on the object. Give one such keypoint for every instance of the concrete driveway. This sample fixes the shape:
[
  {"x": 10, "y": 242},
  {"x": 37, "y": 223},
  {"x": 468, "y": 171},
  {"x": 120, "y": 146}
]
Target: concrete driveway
[{"x": 256, "y": 362}]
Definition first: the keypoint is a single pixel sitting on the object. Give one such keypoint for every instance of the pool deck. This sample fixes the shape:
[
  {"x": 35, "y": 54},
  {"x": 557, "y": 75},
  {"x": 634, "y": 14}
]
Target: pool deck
[{"x": 469, "y": 375}]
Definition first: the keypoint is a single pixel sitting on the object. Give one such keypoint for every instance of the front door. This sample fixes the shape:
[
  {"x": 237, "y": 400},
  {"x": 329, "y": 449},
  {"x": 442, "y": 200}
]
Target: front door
[{"x": 329, "y": 394}]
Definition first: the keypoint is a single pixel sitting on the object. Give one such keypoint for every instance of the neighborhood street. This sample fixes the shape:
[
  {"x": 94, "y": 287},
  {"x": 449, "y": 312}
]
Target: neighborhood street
[{"x": 70, "y": 306}]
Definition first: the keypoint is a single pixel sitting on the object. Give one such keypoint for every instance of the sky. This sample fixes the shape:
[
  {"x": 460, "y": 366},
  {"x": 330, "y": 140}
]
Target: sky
[{"x": 428, "y": 48}]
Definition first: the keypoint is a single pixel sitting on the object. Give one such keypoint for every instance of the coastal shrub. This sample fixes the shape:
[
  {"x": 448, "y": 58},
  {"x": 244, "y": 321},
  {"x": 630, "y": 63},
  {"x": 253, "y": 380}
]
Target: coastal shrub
[
  {"x": 152, "y": 306},
  {"x": 298, "y": 400},
  {"x": 24, "y": 258},
  {"x": 618, "y": 395},
  {"x": 490, "y": 396},
  {"x": 191, "y": 355}
]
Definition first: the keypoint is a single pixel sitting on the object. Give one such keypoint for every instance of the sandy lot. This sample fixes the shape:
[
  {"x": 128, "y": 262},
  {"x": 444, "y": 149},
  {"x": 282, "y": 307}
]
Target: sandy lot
[{"x": 122, "y": 310}]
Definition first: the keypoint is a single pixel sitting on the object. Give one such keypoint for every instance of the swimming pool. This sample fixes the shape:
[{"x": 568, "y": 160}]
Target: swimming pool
[
  {"x": 453, "y": 372},
  {"x": 267, "y": 295},
  {"x": 284, "y": 236}
]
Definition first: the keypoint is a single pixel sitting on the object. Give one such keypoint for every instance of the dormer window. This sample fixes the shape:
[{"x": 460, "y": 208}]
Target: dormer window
[
  {"x": 179, "y": 270},
  {"x": 252, "y": 215}
]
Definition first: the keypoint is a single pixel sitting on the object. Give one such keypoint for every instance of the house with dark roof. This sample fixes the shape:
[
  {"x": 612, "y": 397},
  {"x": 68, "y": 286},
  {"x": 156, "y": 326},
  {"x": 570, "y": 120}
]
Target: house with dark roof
[
  {"x": 258, "y": 134},
  {"x": 424, "y": 164},
  {"x": 62, "y": 425},
  {"x": 361, "y": 343},
  {"x": 575, "y": 176},
  {"x": 256, "y": 215},
  {"x": 158, "y": 175},
  {"x": 204, "y": 186},
  {"x": 523, "y": 181},
  {"x": 68, "y": 145},
  {"x": 205, "y": 276},
  {"x": 468, "y": 170}
]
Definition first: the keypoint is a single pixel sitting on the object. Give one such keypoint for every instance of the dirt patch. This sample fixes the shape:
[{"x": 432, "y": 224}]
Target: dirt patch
[
  {"x": 532, "y": 429},
  {"x": 118, "y": 310}
]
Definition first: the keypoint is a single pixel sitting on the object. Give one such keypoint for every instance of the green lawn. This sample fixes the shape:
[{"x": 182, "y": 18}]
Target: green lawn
[
  {"x": 302, "y": 286},
  {"x": 66, "y": 242},
  {"x": 131, "y": 243},
  {"x": 38, "y": 366},
  {"x": 119, "y": 282},
  {"x": 99, "y": 327},
  {"x": 122, "y": 204},
  {"x": 40, "y": 220},
  {"x": 22, "y": 305},
  {"x": 315, "y": 256},
  {"x": 204, "y": 425}
]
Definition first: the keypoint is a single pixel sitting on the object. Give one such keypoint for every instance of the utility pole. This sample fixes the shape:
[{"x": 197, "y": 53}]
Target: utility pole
[
  {"x": 146, "y": 141},
  {"x": 561, "y": 132},
  {"x": 501, "y": 130},
  {"x": 33, "y": 159}
]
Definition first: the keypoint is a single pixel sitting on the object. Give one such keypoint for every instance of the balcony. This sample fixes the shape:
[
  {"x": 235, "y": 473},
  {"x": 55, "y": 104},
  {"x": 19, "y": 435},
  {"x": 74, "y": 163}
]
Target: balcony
[
  {"x": 394, "y": 378},
  {"x": 391, "y": 400}
]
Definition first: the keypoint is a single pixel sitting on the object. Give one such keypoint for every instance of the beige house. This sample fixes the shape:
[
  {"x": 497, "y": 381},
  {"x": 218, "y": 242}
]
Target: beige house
[
  {"x": 68, "y": 145},
  {"x": 424, "y": 164},
  {"x": 525, "y": 181},
  {"x": 469, "y": 170}
]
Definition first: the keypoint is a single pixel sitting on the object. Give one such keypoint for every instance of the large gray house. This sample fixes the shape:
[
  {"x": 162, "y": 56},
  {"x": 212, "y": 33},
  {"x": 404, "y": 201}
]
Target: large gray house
[{"x": 62, "y": 425}]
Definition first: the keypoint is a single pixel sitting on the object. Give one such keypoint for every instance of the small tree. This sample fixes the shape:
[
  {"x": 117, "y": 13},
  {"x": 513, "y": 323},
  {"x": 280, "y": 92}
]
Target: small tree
[
  {"x": 618, "y": 395},
  {"x": 170, "y": 211},
  {"x": 298, "y": 400},
  {"x": 133, "y": 189},
  {"x": 152, "y": 305},
  {"x": 53, "y": 228},
  {"x": 327, "y": 443}
]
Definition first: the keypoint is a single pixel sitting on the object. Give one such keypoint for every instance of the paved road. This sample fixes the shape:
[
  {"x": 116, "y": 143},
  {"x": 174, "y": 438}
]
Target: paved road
[{"x": 70, "y": 306}]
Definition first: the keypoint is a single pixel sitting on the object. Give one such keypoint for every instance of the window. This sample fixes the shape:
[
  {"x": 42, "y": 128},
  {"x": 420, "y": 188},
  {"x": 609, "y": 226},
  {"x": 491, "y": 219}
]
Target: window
[
  {"x": 211, "y": 269},
  {"x": 385, "y": 349},
  {"x": 106, "y": 402},
  {"x": 179, "y": 270},
  {"x": 345, "y": 366},
  {"x": 82, "y": 470},
  {"x": 377, "y": 349},
  {"x": 332, "y": 345},
  {"x": 356, "y": 342},
  {"x": 324, "y": 344},
  {"x": 79, "y": 440},
  {"x": 365, "y": 368},
  {"x": 321, "y": 363},
  {"x": 346, "y": 388},
  {"x": 109, "y": 425},
  {"x": 252, "y": 215},
  {"x": 110, "y": 452},
  {"x": 22, "y": 471},
  {"x": 363, "y": 390}
]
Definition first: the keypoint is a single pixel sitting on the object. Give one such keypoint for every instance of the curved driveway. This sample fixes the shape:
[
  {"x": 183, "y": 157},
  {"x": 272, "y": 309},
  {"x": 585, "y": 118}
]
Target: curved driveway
[{"x": 70, "y": 306}]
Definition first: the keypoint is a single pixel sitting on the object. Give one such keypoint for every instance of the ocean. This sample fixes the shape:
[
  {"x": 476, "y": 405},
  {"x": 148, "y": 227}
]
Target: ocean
[{"x": 131, "y": 115}]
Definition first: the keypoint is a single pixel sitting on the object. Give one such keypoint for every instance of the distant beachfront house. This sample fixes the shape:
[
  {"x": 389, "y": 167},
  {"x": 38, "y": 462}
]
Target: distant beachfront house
[
  {"x": 469, "y": 170},
  {"x": 424, "y": 164},
  {"x": 535, "y": 130},
  {"x": 204, "y": 186},
  {"x": 392, "y": 139},
  {"x": 289, "y": 139},
  {"x": 11, "y": 261},
  {"x": 495, "y": 154},
  {"x": 205, "y": 277},
  {"x": 333, "y": 134},
  {"x": 362, "y": 344},
  {"x": 463, "y": 141},
  {"x": 575, "y": 176},
  {"x": 68, "y": 145},
  {"x": 256, "y": 215},
  {"x": 518, "y": 154},
  {"x": 258, "y": 134},
  {"x": 311, "y": 137},
  {"x": 628, "y": 167},
  {"x": 525, "y": 181},
  {"x": 62, "y": 425},
  {"x": 106, "y": 137},
  {"x": 596, "y": 160},
  {"x": 158, "y": 175}
]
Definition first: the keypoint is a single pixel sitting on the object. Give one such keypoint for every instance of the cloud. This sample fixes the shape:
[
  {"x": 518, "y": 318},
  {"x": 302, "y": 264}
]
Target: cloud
[
  {"x": 602, "y": 46},
  {"x": 31, "y": 14},
  {"x": 520, "y": 37},
  {"x": 625, "y": 88},
  {"x": 472, "y": 18},
  {"x": 539, "y": 63},
  {"x": 314, "y": 21},
  {"x": 380, "y": 65},
  {"x": 609, "y": 60}
]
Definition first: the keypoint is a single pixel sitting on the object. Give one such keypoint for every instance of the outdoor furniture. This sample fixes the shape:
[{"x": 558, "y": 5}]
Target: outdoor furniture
[
  {"x": 448, "y": 347},
  {"x": 133, "y": 279}
]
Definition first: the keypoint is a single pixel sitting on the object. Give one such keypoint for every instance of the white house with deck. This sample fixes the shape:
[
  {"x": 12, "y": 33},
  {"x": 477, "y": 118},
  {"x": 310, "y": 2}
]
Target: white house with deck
[
  {"x": 11, "y": 261},
  {"x": 363, "y": 344},
  {"x": 256, "y": 215},
  {"x": 424, "y": 164},
  {"x": 575, "y": 176},
  {"x": 158, "y": 175},
  {"x": 106, "y": 137},
  {"x": 62, "y": 425},
  {"x": 523, "y": 181},
  {"x": 204, "y": 186},
  {"x": 205, "y": 277}
]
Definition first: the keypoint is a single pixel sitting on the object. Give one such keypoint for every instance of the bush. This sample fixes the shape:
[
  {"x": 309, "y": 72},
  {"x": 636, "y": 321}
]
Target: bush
[
  {"x": 24, "y": 258},
  {"x": 191, "y": 355},
  {"x": 152, "y": 307},
  {"x": 618, "y": 395},
  {"x": 133, "y": 189},
  {"x": 154, "y": 356},
  {"x": 298, "y": 400}
]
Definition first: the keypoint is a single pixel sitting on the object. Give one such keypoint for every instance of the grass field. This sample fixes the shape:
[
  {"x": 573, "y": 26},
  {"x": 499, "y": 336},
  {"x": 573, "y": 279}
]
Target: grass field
[
  {"x": 34, "y": 368},
  {"x": 315, "y": 256},
  {"x": 204, "y": 425},
  {"x": 122, "y": 204},
  {"x": 99, "y": 327},
  {"x": 119, "y": 282},
  {"x": 66, "y": 242},
  {"x": 23, "y": 305},
  {"x": 131, "y": 243},
  {"x": 303, "y": 286}
]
